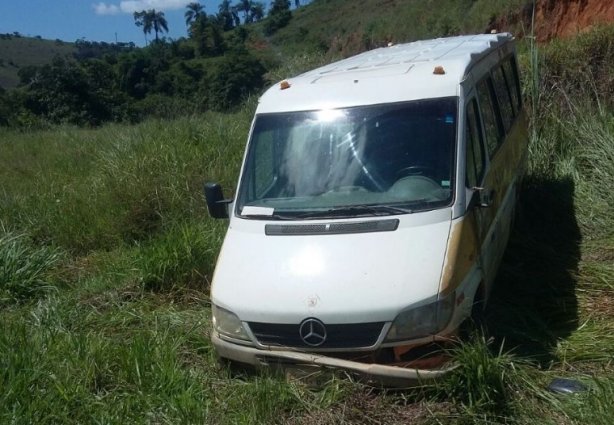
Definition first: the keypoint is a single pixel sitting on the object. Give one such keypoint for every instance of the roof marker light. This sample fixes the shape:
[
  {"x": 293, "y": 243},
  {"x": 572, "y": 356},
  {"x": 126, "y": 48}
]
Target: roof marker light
[
  {"x": 439, "y": 70},
  {"x": 284, "y": 85}
]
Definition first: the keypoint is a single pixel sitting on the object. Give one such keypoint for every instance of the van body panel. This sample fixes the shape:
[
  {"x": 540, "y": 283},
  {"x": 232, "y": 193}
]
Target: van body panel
[{"x": 350, "y": 278}]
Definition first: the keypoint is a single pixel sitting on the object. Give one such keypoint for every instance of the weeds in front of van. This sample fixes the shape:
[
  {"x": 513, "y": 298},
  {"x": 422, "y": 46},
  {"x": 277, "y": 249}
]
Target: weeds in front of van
[
  {"x": 489, "y": 384},
  {"x": 25, "y": 269},
  {"x": 483, "y": 380},
  {"x": 183, "y": 257},
  {"x": 57, "y": 373}
]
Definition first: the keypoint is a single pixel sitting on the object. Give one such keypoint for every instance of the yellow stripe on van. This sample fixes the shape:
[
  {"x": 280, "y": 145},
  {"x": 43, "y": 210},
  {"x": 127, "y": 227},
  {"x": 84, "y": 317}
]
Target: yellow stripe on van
[{"x": 465, "y": 238}]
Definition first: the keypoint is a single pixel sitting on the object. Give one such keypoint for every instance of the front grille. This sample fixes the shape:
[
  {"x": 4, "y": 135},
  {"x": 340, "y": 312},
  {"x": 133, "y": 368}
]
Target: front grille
[{"x": 355, "y": 335}]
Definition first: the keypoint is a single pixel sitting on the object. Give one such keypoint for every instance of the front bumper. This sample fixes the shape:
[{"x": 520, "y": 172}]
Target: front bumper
[{"x": 373, "y": 373}]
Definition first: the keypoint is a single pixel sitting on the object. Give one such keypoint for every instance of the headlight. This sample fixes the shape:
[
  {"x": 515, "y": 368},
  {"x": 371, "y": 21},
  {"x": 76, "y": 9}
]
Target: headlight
[
  {"x": 422, "y": 321},
  {"x": 228, "y": 324}
]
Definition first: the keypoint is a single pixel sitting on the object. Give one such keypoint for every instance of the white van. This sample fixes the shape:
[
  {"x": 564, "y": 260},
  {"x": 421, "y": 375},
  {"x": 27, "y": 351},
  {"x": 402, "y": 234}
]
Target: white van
[{"x": 373, "y": 207}]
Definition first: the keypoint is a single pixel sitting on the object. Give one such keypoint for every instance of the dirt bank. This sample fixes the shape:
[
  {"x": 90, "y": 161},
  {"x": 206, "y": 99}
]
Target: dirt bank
[
  {"x": 557, "y": 18},
  {"x": 564, "y": 18}
]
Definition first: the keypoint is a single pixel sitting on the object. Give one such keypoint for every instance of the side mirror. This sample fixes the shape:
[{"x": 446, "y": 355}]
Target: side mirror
[
  {"x": 481, "y": 197},
  {"x": 216, "y": 204}
]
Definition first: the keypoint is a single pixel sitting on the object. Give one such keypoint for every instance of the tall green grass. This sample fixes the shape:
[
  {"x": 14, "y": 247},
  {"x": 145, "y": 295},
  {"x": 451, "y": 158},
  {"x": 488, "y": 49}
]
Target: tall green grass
[
  {"x": 25, "y": 269},
  {"x": 183, "y": 257},
  {"x": 114, "y": 219},
  {"x": 98, "y": 189}
]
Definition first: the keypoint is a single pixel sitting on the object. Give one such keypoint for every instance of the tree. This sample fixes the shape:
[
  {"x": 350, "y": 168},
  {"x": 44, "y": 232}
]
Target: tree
[
  {"x": 207, "y": 32},
  {"x": 194, "y": 12},
  {"x": 279, "y": 16},
  {"x": 228, "y": 15},
  {"x": 245, "y": 6},
  {"x": 257, "y": 11},
  {"x": 232, "y": 78},
  {"x": 297, "y": 3},
  {"x": 279, "y": 7},
  {"x": 253, "y": 11},
  {"x": 151, "y": 20},
  {"x": 82, "y": 93}
]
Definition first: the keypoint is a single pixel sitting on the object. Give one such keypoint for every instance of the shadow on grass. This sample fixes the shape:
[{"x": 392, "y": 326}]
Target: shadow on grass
[{"x": 533, "y": 303}]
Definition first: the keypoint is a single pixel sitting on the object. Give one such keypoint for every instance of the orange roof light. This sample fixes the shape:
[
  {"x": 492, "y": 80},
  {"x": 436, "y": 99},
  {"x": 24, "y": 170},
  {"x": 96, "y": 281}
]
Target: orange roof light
[
  {"x": 284, "y": 85},
  {"x": 439, "y": 70}
]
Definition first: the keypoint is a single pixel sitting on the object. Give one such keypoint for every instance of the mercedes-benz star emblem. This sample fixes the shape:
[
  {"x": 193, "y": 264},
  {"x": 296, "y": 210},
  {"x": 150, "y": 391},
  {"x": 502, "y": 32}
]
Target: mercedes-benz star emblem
[{"x": 312, "y": 332}]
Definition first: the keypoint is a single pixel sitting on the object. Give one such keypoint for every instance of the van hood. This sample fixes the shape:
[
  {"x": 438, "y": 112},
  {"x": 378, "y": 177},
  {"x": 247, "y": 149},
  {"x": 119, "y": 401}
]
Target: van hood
[{"x": 341, "y": 278}]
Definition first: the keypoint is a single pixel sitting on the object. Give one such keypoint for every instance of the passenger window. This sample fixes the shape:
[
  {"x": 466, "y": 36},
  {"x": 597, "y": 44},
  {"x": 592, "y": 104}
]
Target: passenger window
[
  {"x": 475, "y": 150},
  {"x": 503, "y": 98},
  {"x": 511, "y": 74},
  {"x": 492, "y": 125}
]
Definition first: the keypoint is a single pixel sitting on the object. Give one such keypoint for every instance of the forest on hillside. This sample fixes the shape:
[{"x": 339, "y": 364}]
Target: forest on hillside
[{"x": 215, "y": 67}]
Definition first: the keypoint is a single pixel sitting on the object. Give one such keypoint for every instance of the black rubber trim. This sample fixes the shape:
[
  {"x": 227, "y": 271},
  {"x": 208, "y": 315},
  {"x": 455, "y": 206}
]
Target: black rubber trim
[{"x": 389, "y": 225}]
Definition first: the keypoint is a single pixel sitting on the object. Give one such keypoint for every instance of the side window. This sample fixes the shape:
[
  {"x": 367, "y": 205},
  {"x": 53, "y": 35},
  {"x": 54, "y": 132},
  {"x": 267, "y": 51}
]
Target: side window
[
  {"x": 511, "y": 74},
  {"x": 475, "y": 150},
  {"x": 503, "y": 98},
  {"x": 492, "y": 125}
]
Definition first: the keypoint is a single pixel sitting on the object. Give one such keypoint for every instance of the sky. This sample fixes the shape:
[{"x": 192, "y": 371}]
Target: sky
[{"x": 93, "y": 20}]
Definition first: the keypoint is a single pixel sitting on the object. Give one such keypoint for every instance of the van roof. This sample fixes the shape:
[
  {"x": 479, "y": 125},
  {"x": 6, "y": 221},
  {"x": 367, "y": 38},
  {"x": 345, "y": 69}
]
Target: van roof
[{"x": 396, "y": 73}]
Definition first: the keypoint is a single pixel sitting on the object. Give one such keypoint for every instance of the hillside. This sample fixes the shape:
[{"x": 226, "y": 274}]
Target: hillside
[
  {"x": 18, "y": 51},
  {"x": 344, "y": 27},
  {"x": 341, "y": 27}
]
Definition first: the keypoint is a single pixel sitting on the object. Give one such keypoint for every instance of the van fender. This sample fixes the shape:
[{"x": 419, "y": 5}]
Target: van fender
[{"x": 472, "y": 289}]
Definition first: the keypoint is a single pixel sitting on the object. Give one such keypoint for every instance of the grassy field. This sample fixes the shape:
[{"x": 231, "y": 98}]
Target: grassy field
[{"x": 106, "y": 254}]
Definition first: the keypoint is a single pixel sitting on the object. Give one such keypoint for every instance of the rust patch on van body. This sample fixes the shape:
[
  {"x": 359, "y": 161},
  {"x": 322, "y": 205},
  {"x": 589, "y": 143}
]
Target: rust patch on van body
[{"x": 461, "y": 254}]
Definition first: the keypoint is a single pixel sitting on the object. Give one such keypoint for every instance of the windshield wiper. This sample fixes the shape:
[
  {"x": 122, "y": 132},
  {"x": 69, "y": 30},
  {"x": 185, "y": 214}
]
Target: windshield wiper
[{"x": 274, "y": 216}]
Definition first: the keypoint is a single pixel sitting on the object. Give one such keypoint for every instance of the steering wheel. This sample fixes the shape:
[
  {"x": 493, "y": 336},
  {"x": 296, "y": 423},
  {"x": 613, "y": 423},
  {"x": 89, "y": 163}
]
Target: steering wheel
[
  {"x": 346, "y": 189},
  {"x": 416, "y": 170}
]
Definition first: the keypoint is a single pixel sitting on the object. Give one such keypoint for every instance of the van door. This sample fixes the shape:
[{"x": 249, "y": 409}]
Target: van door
[
  {"x": 496, "y": 178},
  {"x": 476, "y": 163},
  {"x": 489, "y": 128}
]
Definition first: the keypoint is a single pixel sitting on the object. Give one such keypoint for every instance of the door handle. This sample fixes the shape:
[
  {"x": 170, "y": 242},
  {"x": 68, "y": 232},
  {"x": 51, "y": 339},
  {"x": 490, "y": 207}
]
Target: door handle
[{"x": 483, "y": 198}]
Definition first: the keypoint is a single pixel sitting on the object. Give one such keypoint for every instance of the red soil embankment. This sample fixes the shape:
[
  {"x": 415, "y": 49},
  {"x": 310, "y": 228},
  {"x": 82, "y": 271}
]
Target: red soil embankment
[
  {"x": 564, "y": 18},
  {"x": 556, "y": 18}
]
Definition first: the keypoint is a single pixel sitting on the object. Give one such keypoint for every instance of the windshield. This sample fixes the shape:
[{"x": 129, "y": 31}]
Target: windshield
[{"x": 372, "y": 160}]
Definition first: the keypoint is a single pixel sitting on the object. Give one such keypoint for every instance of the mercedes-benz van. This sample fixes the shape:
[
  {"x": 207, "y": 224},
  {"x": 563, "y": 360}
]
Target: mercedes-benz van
[{"x": 373, "y": 207}]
